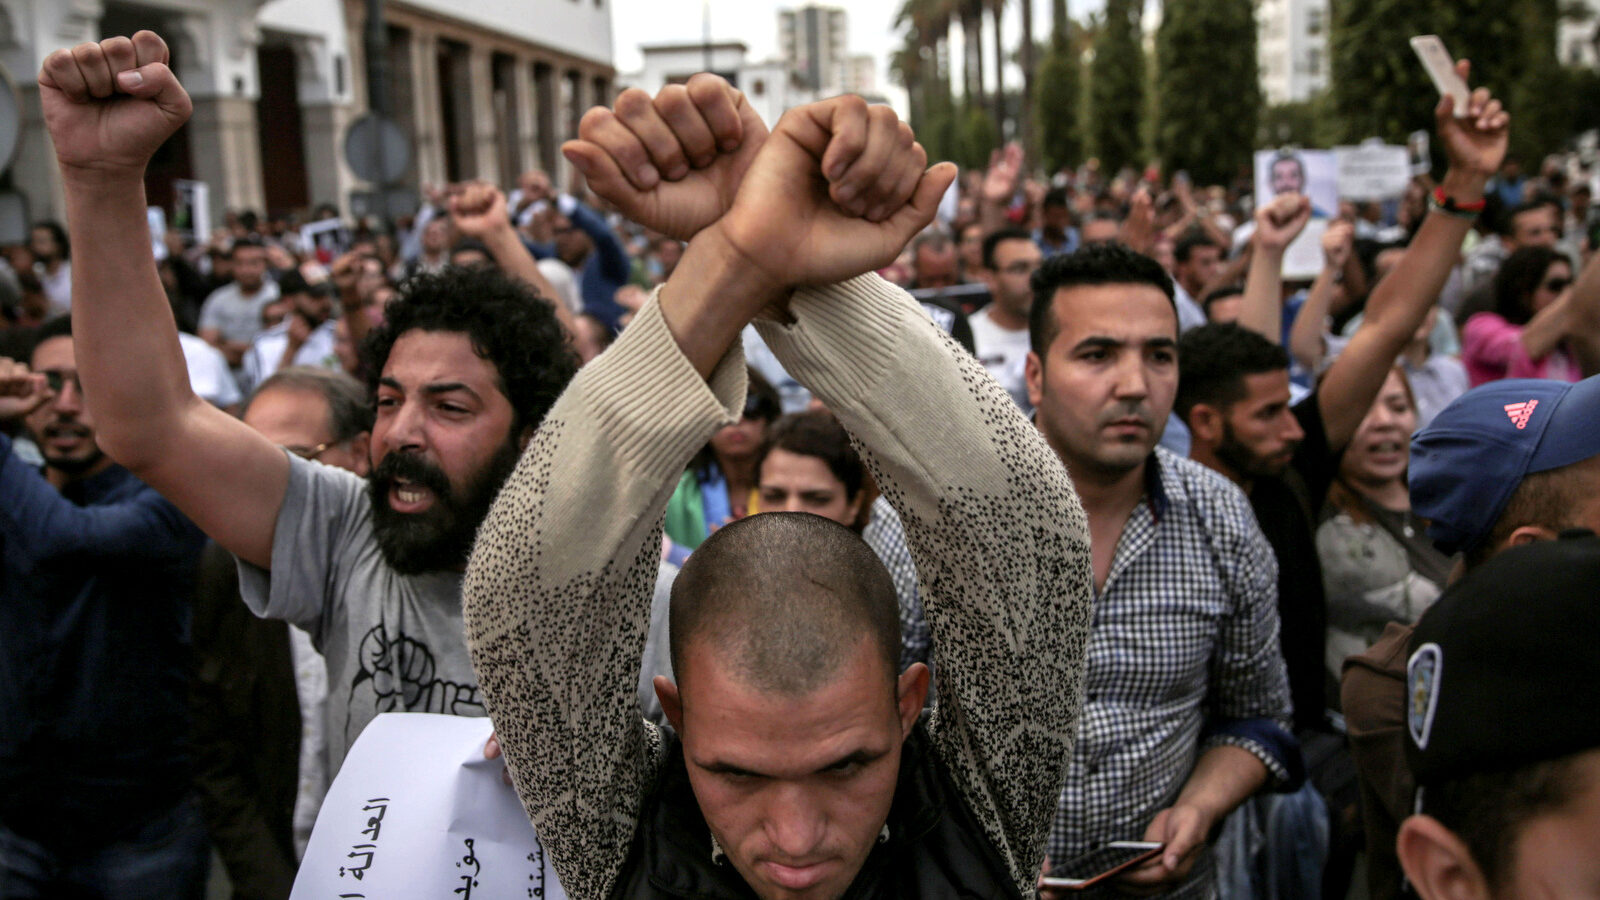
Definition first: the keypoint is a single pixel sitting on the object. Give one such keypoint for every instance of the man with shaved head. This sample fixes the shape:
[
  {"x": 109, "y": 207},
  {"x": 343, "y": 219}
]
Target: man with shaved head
[
  {"x": 799, "y": 762},
  {"x": 736, "y": 596}
]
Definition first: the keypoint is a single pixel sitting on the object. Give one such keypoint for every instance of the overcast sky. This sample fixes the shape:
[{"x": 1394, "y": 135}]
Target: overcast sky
[{"x": 755, "y": 22}]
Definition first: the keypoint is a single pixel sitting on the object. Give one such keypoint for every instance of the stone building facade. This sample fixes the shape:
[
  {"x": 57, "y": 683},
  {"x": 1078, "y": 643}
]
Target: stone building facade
[{"x": 484, "y": 89}]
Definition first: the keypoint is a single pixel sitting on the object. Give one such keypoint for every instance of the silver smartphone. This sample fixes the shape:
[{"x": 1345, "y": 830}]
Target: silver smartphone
[{"x": 1442, "y": 69}]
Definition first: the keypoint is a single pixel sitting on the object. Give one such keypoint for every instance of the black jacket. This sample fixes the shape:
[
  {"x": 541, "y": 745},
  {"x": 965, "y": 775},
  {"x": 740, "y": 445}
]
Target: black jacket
[{"x": 935, "y": 847}]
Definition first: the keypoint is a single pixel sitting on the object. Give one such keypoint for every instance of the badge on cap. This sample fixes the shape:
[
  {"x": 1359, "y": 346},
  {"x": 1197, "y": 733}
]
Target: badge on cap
[{"x": 1422, "y": 682}]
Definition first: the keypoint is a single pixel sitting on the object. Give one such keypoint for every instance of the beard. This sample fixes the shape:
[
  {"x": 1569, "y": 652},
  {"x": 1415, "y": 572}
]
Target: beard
[
  {"x": 68, "y": 465},
  {"x": 1247, "y": 462},
  {"x": 440, "y": 537}
]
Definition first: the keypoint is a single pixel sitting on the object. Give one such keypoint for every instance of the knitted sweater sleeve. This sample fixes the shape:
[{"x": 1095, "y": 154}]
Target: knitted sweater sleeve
[
  {"x": 999, "y": 537},
  {"x": 557, "y": 594}
]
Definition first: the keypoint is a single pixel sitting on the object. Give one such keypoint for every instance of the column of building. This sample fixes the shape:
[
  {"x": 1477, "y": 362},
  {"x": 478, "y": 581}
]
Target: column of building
[{"x": 218, "y": 67}]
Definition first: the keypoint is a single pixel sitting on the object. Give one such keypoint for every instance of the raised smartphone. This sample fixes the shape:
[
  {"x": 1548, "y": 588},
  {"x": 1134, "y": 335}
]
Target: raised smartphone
[{"x": 1442, "y": 69}]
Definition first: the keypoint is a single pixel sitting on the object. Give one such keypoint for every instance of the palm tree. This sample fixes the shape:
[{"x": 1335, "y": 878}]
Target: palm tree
[
  {"x": 927, "y": 24},
  {"x": 996, "y": 11},
  {"x": 1027, "y": 78},
  {"x": 970, "y": 13}
]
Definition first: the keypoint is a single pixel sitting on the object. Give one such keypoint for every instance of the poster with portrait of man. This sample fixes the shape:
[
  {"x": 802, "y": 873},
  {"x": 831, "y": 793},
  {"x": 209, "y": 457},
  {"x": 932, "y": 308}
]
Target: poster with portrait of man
[{"x": 1314, "y": 173}]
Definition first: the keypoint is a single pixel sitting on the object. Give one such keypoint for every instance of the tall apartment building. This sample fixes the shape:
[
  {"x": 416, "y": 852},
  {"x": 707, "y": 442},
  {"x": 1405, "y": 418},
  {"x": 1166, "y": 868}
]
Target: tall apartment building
[
  {"x": 1578, "y": 35},
  {"x": 814, "y": 41},
  {"x": 1292, "y": 48}
]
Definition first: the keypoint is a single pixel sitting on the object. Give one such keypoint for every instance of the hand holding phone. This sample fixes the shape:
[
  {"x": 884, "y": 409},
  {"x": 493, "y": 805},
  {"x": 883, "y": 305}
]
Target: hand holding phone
[
  {"x": 1100, "y": 864},
  {"x": 1442, "y": 69}
]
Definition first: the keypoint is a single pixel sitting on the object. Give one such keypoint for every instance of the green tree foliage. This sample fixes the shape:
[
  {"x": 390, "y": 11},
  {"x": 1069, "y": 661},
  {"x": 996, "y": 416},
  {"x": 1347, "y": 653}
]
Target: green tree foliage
[
  {"x": 1380, "y": 90},
  {"x": 1207, "y": 87},
  {"x": 941, "y": 131},
  {"x": 1116, "y": 87},
  {"x": 977, "y": 137},
  {"x": 1057, "y": 98}
]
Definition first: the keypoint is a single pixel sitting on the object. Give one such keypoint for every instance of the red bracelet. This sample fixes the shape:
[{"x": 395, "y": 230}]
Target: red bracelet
[{"x": 1448, "y": 204}]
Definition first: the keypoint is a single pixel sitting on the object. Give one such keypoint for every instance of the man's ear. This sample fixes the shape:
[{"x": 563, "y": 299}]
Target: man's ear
[
  {"x": 360, "y": 446},
  {"x": 1437, "y": 862},
  {"x": 911, "y": 692},
  {"x": 1528, "y": 534},
  {"x": 1033, "y": 375},
  {"x": 671, "y": 702},
  {"x": 1205, "y": 424}
]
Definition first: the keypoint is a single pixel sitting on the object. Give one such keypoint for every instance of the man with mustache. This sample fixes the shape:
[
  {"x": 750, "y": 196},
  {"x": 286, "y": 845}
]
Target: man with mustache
[
  {"x": 1184, "y": 636},
  {"x": 95, "y": 575},
  {"x": 462, "y": 371}
]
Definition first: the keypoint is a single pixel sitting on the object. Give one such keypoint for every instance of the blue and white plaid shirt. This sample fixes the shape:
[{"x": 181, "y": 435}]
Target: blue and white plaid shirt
[
  {"x": 1183, "y": 656},
  {"x": 887, "y": 537}
]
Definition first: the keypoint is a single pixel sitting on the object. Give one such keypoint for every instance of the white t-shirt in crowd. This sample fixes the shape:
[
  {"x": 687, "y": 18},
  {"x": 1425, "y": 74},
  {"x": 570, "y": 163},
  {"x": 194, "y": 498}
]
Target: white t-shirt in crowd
[
  {"x": 1004, "y": 353},
  {"x": 267, "y": 350},
  {"x": 209, "y": 375}
]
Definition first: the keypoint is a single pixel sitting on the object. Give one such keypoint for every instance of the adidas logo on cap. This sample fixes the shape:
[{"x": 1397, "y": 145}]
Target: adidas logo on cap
[{"x": 1520, "y": 413}]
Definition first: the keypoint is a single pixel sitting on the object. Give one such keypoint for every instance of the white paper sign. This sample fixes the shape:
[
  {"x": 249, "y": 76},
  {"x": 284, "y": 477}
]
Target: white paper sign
[
  {"x": 1372, "y": 171},
  {"x": 1418, "y": 152},
  {"x": 157, "y": 219},
  {"x": 416, "y": 811},
  {"x": 1309, "y": 172},
  {"x": 192, "y": 209},
  {"x": 328, "y": 237}
]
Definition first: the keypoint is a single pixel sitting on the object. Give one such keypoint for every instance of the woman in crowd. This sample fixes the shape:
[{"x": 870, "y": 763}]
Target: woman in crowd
[
  {"x": 1537, "y": 321},
  {"x": 1378, "y": 565},
  {"x": 720, "y": 485},
  {"x": 809, "y": 466}
]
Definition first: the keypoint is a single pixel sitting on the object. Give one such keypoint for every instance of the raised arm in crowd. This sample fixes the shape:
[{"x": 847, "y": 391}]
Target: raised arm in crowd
[{"x": 798, "y": 758}]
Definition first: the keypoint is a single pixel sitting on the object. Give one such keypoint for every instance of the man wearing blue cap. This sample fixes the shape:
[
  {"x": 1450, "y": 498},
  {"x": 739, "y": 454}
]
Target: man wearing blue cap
[
  {"x": 1508, "y": 463},
  {"x": 1501, "y": 733}
]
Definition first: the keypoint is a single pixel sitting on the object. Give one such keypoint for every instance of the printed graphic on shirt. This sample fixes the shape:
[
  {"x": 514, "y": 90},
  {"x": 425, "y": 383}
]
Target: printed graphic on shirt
[{"x": 399, "y": 674}]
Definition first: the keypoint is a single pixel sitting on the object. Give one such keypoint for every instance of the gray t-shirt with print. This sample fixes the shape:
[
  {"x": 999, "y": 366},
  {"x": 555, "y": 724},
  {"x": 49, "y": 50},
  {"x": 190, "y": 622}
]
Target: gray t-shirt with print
[{"x": 393, "y": 642}]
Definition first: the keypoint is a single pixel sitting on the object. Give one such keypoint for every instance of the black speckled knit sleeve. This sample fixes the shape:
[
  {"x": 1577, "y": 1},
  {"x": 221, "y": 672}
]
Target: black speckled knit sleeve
[
  {"x": 1000, "y": 541},
  {"x": 557, "y": 594}
]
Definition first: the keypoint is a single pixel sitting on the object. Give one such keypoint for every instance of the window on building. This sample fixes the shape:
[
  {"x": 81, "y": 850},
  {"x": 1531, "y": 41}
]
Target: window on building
[
  {"x": 758, "y": 88},
  {"x": 1314, "y": 21}
]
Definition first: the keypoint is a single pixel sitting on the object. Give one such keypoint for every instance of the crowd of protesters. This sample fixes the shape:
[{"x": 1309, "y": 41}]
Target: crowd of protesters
[{"x": 1154, "y": 542}]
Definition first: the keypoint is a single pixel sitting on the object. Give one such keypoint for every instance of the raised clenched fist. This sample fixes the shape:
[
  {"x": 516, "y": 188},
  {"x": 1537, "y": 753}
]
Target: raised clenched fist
[
  {"x": 21, "y": 390},
  {"x": 838, "y": 189},
  {"x": 674, "y": 162},
  {"x": 109, "y": 105},
  {"x": 1279, "y": 222}
]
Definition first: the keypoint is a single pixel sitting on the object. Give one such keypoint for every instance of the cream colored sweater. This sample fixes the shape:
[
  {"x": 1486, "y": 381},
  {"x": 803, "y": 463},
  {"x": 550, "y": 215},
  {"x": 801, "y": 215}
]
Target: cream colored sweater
[{"x": 557, "y": 595}]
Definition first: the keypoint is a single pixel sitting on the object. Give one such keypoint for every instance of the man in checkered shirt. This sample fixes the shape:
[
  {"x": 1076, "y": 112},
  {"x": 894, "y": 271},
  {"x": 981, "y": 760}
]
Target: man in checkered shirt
[{"x": 1186, "y": 712}]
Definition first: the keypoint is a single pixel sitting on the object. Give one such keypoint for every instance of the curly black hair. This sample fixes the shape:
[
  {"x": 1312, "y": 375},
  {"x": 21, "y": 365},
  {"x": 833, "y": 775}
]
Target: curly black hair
[
  {"x": 509, "y": 325},
  {"x": 1093, "y": 265}
]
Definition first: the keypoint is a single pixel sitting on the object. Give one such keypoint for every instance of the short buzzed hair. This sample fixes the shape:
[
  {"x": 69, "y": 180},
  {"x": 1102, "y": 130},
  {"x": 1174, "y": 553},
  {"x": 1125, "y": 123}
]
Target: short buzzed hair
[
  {"x": 1553, "y": 498},
  {"x": 785, "y": 599}
]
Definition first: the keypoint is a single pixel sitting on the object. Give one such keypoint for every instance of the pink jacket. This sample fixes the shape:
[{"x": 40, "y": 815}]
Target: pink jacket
[{"x": 1491, "y": 349}]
